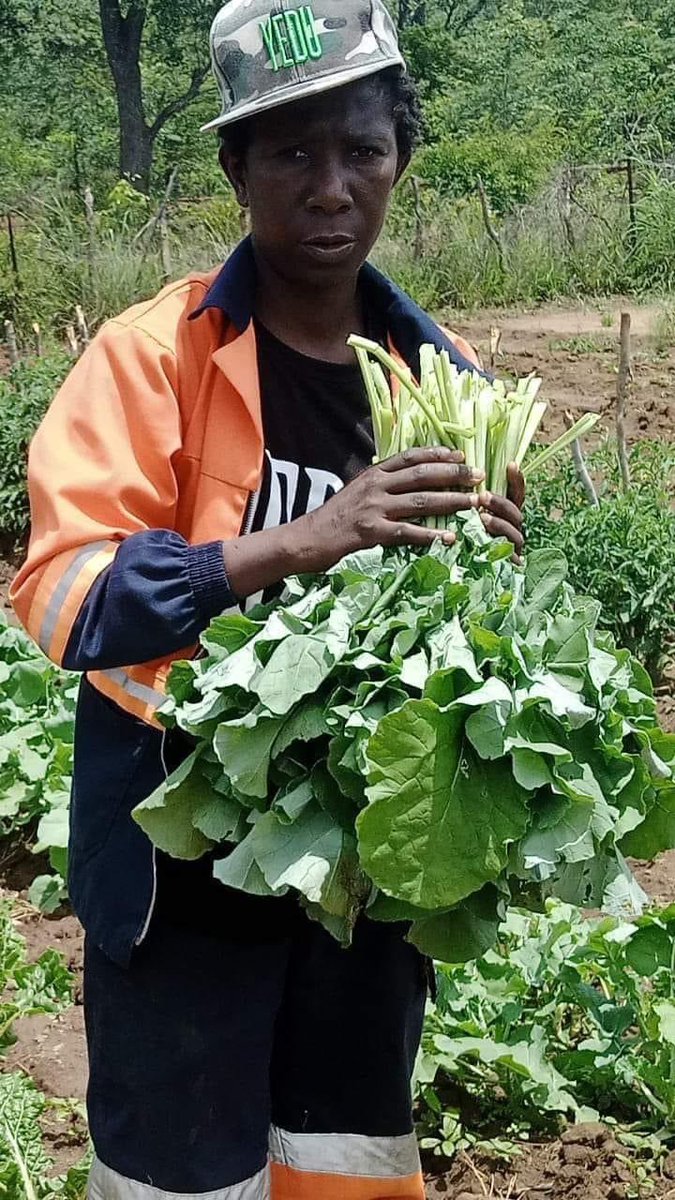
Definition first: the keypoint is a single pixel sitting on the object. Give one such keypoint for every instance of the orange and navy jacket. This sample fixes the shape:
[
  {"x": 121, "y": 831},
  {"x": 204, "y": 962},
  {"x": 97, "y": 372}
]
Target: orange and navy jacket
[{"x": 148, "y": 459}]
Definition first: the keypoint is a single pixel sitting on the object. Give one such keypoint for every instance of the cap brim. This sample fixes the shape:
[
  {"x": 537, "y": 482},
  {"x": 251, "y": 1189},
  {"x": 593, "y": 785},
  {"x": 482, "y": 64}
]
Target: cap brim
[{"x": 298, "y": 91}]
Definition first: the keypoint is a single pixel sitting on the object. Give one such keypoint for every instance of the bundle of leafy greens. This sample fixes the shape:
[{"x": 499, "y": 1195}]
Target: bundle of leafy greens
[{"x": 424, "y": 737}]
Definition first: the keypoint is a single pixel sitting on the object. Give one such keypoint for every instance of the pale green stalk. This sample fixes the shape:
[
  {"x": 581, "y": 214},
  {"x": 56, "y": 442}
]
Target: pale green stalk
[
  {"x": 580, "y": 428},
  {"x": 533, "y": 422},
  {"x": 404, "y": 377}
]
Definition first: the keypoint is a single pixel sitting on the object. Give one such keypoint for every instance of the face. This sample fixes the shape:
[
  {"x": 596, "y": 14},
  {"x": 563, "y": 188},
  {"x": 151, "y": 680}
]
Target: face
[{"x": 316, "y": 176}]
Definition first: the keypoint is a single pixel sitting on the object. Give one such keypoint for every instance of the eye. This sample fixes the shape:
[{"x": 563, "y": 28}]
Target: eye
[
  {"x": 294, "y": 154},
  {"x": 366, "y": 151}
]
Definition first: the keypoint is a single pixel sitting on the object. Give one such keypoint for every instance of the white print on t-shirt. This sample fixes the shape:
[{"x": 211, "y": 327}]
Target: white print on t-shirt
[{"x": 289, "y": 491}]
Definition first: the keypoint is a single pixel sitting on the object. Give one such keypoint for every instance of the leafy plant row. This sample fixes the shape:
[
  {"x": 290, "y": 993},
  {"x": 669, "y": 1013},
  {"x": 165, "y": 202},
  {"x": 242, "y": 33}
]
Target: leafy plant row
[
  {"x": 37, "y": 717},
  {"x": 566, "y": 1018}
]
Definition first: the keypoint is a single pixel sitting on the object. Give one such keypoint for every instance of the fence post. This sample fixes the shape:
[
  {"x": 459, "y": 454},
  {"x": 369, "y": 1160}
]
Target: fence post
[
  {"x": 632, "y": 206},
  {"x": 419, "y": 218},
  {"x": 38, "y": 338},
  {"x": 82, "y": 329},
  {"x": 72, "y": 341},
  {"x": 566, "y": 211},
  {"x": 14, "y": 258},
  {"x": 12, "y": 348},
  {"x": 495, "y": 345},
  {"x": 622, "y": 395},
  {"x": 91, "y": 232},
  {"x": 489, "y": 227},
  {"x": 164, "y": 244}
]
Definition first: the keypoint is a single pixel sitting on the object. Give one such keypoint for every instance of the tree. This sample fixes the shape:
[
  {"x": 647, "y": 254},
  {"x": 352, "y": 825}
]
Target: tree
[{"x": 170, "y": 26}]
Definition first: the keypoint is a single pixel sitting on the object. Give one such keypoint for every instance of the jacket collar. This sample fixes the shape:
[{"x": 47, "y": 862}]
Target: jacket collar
[{"x": 409, "y": 327}]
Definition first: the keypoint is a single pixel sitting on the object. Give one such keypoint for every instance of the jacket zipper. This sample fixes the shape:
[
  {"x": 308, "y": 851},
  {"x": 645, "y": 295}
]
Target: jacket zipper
[
  {"x": 153, "y": 898},
  {"x": 249, "y": 515}
]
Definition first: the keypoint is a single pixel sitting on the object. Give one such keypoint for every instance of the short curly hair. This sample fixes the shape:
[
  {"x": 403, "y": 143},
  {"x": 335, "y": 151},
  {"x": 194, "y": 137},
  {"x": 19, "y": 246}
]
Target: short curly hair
[{"x": 397, "y": 87}]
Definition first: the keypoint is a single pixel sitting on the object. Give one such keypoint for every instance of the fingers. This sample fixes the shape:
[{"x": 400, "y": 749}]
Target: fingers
[
  {"x": 516, "y": 485},
  {"x": 421, "y": 454},
  {"x": 431, "y": 476},
  {"x": 430, "y": 504},
  {"x": 499, "y": 528},
  {"x": 501, "y": 507},
  {"x": 403, "y": 534}
]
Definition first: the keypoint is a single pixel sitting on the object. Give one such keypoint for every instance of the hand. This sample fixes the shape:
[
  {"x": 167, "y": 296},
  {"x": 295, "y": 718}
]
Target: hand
[
  {"x": 502, "y": 516},
  {"x": 378, "y": 508}
]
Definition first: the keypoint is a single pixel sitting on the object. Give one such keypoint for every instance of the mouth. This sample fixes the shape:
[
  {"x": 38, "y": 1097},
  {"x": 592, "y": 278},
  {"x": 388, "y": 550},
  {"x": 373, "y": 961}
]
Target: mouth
[{"x": 329, "y": 247}]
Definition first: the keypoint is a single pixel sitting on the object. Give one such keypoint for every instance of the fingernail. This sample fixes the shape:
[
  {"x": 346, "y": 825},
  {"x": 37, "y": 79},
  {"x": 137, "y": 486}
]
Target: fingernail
[
  {"x": 477, "y": 475},
  {"x": 449, "y": 538}
]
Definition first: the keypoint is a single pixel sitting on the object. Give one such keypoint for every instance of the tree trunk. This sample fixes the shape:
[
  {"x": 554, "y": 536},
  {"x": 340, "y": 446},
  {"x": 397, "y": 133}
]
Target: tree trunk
[{"x": 122, "y": 39}]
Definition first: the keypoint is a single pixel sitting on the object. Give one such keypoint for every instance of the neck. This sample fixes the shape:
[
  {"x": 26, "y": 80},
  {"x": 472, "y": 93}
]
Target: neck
[{"x": 313, "y": 320}]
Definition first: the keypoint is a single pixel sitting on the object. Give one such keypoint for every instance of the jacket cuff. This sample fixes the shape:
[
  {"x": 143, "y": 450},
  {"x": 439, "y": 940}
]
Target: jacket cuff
[{"x": 208, "y": 579}]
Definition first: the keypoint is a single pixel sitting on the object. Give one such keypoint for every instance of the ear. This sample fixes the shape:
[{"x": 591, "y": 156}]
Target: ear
[
  {"x": 401, "y": 166},
  {"x": 234, "y": 167}
]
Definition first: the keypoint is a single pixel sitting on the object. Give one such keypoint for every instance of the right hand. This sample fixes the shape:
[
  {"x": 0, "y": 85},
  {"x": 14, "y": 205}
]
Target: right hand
[{"x": 378, "y": 508}]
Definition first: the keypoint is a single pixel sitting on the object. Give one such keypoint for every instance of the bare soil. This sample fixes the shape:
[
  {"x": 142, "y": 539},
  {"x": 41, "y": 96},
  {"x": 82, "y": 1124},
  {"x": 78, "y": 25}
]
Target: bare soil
[
  {"x": 577, "y": 355},
  {"x": 575, "y": 350}
]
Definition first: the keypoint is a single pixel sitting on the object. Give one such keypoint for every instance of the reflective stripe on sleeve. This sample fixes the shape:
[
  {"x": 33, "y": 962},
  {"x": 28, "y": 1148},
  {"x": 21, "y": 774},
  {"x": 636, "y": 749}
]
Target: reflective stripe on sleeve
[
  {"x": 316, "y": 1166},
  {"x": 106, "y": 1184},
  {"x": 66, "y": 599}
]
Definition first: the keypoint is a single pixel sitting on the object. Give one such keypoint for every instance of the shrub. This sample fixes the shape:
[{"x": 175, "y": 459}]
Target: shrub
[
  {"x": 622, "y": 553},
  {"x": 25, "y": 395}
]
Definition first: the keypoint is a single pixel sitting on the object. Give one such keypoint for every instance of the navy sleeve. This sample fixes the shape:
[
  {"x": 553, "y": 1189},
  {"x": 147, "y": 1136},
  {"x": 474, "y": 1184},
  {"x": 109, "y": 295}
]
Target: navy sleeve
[{"x": 156, "y": 597}]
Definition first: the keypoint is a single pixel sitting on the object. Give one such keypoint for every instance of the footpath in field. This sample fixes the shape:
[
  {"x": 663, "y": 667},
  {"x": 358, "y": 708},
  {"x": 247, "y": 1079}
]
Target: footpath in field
[{"x": 575, "y": 350}]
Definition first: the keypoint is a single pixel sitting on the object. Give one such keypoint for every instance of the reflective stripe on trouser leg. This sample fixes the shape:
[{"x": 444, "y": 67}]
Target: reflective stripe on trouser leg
[
  {"x": 106, "y": 1184},
  {"x": 344, "y": 1166}
]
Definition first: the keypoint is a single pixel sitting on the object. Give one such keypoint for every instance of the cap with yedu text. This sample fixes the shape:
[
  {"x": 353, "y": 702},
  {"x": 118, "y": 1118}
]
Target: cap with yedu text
[{"x": 270, "y": 52}]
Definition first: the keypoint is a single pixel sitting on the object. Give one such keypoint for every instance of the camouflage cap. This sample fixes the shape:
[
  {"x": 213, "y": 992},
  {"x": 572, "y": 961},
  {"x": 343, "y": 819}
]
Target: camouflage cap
[{"x": 270, "y": 52}]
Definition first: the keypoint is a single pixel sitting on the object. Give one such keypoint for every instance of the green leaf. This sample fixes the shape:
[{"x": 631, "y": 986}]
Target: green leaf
[
  {"x": 440, "y": 819},
  {"x": 240, "y": 870},
  {"x": 464, "y": 932},
  {"x": 665, "y": 1011},
  {"x": 168, "y": 815},
  {"x": 296, "y": 669},
  {"x": 657, "y": 831},
  {"x": 545, "y": 571},
  {"x": 244, "y": 749}
]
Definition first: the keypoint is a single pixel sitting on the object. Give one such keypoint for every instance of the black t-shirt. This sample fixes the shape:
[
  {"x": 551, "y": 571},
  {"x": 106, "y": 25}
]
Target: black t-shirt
[{"x": 318, "y": 436}]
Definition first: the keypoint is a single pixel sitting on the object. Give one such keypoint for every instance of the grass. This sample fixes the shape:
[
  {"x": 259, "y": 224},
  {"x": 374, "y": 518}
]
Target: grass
[
  {"x": 663, "y": 331},
  {"x": 455, "y": 266},
  {"x": 582, "y": 344}
]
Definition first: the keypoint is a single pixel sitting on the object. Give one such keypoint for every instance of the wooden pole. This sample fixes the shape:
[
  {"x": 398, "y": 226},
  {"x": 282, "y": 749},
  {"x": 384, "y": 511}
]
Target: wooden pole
[
  {"x": 165, "y": 246},
  {"x": 72, "y": 341},
  {"x": 580, "y": 465},
  {"x": 566, "y": 212},
  {"x": 632, "y": 206},
  {"x": 489, "y": 226},
  {"x": 82, "y": 328},
  {"x": 12, "y": 250},
  {"x": 495, "y": 344},
  {"x": 622, "y": 397},
  {"x": 91, "y": 232},
  {"x": 38, "y": 339},
  {"x": 419, "y": 218},
  {"x": 12, "y": 348}
]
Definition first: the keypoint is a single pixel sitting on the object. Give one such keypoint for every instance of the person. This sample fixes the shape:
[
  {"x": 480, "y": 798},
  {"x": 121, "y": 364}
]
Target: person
[{"x": 210, "y": 442}]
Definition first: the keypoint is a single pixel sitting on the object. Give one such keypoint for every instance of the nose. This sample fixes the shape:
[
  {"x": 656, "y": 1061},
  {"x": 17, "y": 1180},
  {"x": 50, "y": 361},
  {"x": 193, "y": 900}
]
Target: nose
[{"x": 329, "y": 190}]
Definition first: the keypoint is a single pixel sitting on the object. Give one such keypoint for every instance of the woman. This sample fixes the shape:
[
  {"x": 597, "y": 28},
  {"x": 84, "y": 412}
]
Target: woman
[{"x": 209, "y": 443}]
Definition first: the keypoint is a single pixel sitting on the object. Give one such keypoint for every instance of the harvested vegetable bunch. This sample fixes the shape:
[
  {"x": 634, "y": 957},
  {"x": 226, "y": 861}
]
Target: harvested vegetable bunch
[
  {"x": 423, "y": 737},
  {"x": 492, "y": 425}
]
